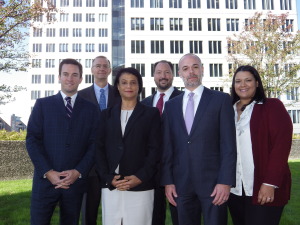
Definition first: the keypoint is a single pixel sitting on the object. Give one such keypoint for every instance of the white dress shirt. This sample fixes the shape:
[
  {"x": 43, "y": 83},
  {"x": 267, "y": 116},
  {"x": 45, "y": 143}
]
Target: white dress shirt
[
  {"x": 197, "y": 96},
  {"x": 166, "y": 96}
]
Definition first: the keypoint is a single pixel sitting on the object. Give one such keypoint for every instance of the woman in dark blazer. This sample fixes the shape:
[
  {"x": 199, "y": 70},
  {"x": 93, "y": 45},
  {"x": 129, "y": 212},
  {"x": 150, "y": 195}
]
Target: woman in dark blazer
[
  {"x": 128, "y": 154},
  {"x": 264, "y": 136}
]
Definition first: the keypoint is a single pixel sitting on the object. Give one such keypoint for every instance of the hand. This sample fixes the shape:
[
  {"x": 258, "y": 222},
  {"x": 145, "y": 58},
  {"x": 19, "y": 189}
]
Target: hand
[
  {"x": 70, "y": 176},
  {"x": 116, "y": 182},
  {"x": 54, "y": 178},
  {"x": 221, "y": 193},
  {"x": 170, "y": 191},
  {"x": 265, "y": 194},
  {"x": 128, "y": 183}
]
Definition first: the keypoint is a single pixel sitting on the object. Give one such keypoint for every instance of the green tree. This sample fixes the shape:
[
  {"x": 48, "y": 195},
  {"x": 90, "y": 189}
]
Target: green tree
[
  {"x": 16, "y": 17},
  {"x": 268, "y": 43}
]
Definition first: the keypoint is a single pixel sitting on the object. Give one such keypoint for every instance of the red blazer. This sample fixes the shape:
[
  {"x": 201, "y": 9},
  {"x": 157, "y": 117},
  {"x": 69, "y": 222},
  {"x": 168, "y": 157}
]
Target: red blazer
[{"x": 271, "y": 135}]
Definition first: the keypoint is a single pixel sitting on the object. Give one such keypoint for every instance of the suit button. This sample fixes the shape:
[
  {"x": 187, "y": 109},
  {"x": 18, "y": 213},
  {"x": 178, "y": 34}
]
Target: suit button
[{"x": 189, "y": 142}]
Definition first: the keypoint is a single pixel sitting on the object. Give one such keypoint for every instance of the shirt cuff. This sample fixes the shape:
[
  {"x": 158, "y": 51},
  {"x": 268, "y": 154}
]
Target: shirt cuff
[{"x": 271, "y": 185}]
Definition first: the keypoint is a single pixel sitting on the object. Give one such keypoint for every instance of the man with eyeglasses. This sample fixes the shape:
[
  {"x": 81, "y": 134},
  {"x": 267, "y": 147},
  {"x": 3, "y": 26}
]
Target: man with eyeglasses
[{"x": 101, "y": 93}]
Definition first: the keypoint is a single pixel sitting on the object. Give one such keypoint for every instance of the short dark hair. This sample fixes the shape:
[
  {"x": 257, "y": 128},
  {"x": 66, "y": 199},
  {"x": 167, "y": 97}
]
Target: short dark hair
[
  {"x": 102, "y": 57},
  {"x": 132, "y": 71},
  {"x": 259, "y": 93},
  {"x": 70, "y": 61},
  {"x": 163, "y": 61}
]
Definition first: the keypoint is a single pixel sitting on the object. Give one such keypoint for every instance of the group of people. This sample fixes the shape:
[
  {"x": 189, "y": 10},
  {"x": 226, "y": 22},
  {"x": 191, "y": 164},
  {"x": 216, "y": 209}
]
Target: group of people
[{"x": 202, "y": 150}]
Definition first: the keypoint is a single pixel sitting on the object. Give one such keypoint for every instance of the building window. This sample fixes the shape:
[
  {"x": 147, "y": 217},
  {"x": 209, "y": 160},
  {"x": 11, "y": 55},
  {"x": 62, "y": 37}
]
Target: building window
[
  {"x": 288, "y": 26},
  {"x": 35, "y": 95},
  {"x": 51, "y": 17},
  {"x": 217, "y": 88},
  {"x": 193, "y": 4},
  {"x": 36, "y": 63},
  {"x": 157, "y": 47},
  {"x": 176, "y": 24},
  {"x": 90, "y": 17},
  {"x": 50, "y": 32},
  {"x": 213, "y": 4},
  {"x": 63, "y": 47},
  {"x": 267, "y": 5},
  {"x": 292, "y": 93},
  {"x": 215, "y": 70},
  {"x": 137, "y": 24},
  {"x": 91, "y": 3},
  {"x": 231, "y": 4},
  {"x": 295, "y": 115},
  {"x": 156, "y": 4},
  {"x": 50, "y": 47},
  {"x": 213, "y": 24},
  {"x": 137, "y": 46},
  {"x": 63, "y": 32},
  {"x": 103, "y": 17},
  {"x": 156, "y": 24},
  {"x": 103, "y": 47},
  {"x": 176, "y": 47},
  {"x": 249, "y": 4},
  {"x": 37, "y": 47},
  {"x": 196, "y": 47},
  {"x": 175, "y": 3},
  {"x": 103, "y": 32},
  {"x": 37, "y": 32},
  {"x": 88, "y": 63},
  {"x": 38, "y": 18},
  {"x": 232, "y": 24},
  {"x": 77, "y": 17},
  {"x": 76, "y": 47},
  {"x": 285, "y": 4},
  {"x": 64, "y": 3},
  {"x": 49, "y": 93},
  {"x": 140, "y": 67},
  {"x": 214, "y": 47},
  {"x": 103, "y": 3},
  {"x": 89, "y": 78},
  {"x": 50, "y": 63},
  {"x": 137, "y": 3},
  {"x": 49, "y": 78},
  {"x": 64, "y": 17},
  {"x": 89, "y": 47},
  {"x": 77, "y": 32},
  {"x": 77, "y": 3},
  {"x": 175, "y": 69},
  {"x": 90, "y": 32},
  {"x": 195, "y": 24},
  {"x": 36, "y": 79}
]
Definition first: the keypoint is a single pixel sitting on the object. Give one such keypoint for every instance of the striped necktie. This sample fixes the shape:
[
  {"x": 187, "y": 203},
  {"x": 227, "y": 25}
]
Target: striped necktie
[{"x": 69, "y": 107}]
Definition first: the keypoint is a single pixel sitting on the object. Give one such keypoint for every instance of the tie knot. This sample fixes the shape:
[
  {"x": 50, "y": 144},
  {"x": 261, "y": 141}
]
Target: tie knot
[
  {"x": 68, "y": 99},
  {"x": 101, "y": 91},
  {"x": 191, "y": 94},
  {"x": 162, "y": 95}
]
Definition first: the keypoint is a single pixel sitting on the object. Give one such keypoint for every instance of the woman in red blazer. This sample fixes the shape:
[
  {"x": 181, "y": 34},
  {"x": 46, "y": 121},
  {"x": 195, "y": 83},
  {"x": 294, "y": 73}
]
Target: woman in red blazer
[{"x": 264, "y": 136}]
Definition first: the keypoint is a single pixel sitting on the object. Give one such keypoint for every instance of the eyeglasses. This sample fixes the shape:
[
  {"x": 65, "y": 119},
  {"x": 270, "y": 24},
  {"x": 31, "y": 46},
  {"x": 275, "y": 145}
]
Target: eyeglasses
[{"x": 98, "y": 66}]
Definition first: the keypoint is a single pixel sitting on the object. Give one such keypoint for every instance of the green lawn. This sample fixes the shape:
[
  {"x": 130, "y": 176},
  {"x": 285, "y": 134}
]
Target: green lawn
[{"x": 15, "y": 201}]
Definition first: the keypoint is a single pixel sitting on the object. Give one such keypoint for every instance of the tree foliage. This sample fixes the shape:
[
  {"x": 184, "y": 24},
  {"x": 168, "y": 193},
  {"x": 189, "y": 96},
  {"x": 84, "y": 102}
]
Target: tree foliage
[
  {"x": 16, "y": 18},
  {"x": 268, "y": 43}
]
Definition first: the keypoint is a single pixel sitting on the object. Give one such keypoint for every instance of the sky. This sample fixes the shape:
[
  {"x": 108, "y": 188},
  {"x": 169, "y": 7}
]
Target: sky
[{"x": 19, "y": 107}]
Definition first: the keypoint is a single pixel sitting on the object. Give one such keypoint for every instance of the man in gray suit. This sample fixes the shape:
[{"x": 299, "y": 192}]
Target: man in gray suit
[
  {"x": 100, "y": 89},
  {"x": 199, "y": 150}
]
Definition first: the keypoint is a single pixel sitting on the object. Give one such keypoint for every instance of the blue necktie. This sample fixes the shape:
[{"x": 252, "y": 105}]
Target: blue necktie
[
  {"x": 69, "y": 107},
  {"x": 102, "y": 101}
]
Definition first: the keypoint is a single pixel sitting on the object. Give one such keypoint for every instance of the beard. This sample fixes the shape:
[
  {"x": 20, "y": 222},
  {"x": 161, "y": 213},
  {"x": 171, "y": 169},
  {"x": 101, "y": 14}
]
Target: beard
[{"x": 164, "y": 86}]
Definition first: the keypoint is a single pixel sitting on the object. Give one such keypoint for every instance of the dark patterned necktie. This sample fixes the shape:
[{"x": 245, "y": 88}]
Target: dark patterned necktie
[
  {"x": 102, "y": 101},
  {"x": 69, "y": 107},
  {"x": 160, "y": 103}
]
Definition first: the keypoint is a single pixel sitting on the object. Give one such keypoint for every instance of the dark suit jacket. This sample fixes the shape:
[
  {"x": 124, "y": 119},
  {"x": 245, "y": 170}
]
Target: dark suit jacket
[
  {"x": 196, "y": 162},
  {"x": 57, "y": 142},
  {"x": 149, "y": 100},
  {"x": 89, "y": 95},
  {"x": 137, "y": 152},
  {"x": 271, "y": 135}
]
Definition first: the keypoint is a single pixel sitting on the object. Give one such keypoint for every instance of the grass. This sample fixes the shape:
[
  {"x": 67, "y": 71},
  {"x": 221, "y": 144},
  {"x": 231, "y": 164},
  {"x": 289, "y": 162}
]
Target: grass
[{"x": 15, "y": 202}]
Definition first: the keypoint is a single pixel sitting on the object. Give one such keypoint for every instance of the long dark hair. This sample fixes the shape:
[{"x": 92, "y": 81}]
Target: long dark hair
[{"x": 259, "y": 93}]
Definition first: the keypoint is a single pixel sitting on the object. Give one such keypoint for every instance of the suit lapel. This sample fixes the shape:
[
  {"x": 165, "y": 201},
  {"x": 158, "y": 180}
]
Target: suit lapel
[
  {"x": 205, "y": 99},
  {"x": 137, "y": 112},
  {"x": 60, "y": 105},
  {"x": 178, "y": 112}
]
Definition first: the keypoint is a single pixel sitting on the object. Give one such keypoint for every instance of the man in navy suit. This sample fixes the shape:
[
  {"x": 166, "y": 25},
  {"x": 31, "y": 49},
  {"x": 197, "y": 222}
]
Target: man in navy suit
[
  {"x": 163, "y": 78},
  {"x": 101, "y": 69},
  {"x": 61, "y": 144},
  {"x": 199, "y": 152}
]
